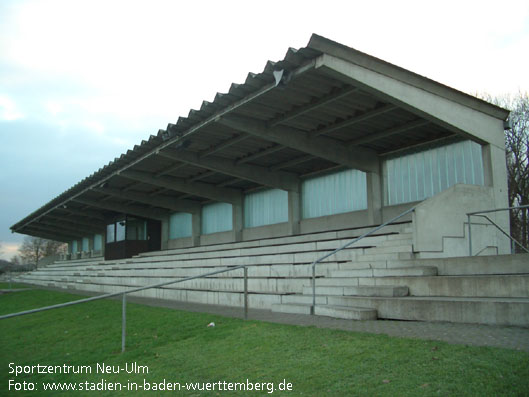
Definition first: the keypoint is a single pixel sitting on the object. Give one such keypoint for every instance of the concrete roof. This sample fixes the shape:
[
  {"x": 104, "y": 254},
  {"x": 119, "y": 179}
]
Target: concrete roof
[{"x": 289, "y": 122}]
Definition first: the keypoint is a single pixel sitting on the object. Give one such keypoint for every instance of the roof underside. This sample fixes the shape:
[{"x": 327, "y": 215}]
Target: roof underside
[{"x": 272, "y": 131}]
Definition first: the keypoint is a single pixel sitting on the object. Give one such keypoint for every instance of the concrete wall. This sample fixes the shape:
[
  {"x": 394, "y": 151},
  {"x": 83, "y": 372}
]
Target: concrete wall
[{"x": 440, "y": 223}]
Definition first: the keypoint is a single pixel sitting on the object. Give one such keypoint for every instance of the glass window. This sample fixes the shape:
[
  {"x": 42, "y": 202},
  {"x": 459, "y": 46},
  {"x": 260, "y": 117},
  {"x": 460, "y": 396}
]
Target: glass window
[
  {"x": 85, "y": 244},
  {"x": 111, "y": 235},
  {"x": 336, "y": 193},
  {"x": 180, "y": 225},
  {"x": 120, "y": 230},
  {"x": 217, "y": 217},
  {"x": 417, "y": 176},
  {"x": 97, "y": 242},
  {"x": 136, "y": 229},
  {"x": 265, "y": 208}
]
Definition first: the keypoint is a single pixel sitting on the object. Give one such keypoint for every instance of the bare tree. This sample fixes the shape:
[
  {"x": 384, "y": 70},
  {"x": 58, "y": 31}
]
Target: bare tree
[
  {"x": 15, "y": 260},
  {"x": 33, "y": 249},
  {"x": 517, "y": 152}
]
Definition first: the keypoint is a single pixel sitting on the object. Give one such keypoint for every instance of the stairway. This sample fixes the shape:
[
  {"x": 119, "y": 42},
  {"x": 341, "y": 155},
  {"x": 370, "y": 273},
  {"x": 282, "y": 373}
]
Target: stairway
[{"x": 487, "y": 290}]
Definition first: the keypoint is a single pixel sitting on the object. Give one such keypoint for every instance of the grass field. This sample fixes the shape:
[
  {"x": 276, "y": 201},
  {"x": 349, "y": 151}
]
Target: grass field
[{"x": 178, "y": 347}]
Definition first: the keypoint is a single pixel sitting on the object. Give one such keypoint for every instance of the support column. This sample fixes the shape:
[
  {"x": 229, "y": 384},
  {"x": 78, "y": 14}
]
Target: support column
[
  {"x": 196, "y": 228},
  {"x": 375, "y": 195},
  {"x": 238, "y": 221},
  {"x": 294, "y": 212},
  {"x": 495, "y": 176},
  {"x": 165, "y": 233}
]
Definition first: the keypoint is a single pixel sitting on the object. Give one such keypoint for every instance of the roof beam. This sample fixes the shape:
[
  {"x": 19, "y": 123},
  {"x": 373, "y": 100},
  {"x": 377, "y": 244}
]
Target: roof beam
[
  {"x": 261, "y": 153},
  {"x": 318, "y": 146},
  {"x": 457, "y": 112},
  {"x": 294, "y": 161},
  {"x": 56, "y": 231},
  {"x": 392, "y": 131},
  {"x": 70, "y": 228},
  {"x": 260, "y": 175},
  {"x": 83, "y": 212},
  {"x": 353, "y": 120},
  {"x": 76, "y": 221},
  {"x": 172, "y": 168},
  {"x": 314, "y": 104},
  {"x": 125, "y": 209},
  {"x": 198, "y": 177},
  {"x": 200, "y": 189},
  {"x": 163, "y": 202},
  {"x": 30, "y": 231},
  {"x": 223, "y": 145}
]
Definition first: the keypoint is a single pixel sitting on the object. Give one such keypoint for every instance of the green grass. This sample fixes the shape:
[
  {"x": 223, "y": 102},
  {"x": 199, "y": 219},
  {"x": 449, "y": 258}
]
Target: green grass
[
  {"x": 5, "y": 285},
  {"x": 178, "y": 347}
]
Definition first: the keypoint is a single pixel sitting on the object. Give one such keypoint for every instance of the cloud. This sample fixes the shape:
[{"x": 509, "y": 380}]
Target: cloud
[
  {"x": 8, "y": 109},
  {"x": 8, "y": 250}
]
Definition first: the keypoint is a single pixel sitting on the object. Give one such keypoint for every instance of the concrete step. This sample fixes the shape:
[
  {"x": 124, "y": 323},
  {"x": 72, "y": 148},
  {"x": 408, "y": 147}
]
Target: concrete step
[
  {"x": 501, "y": 285},
  {"x": 381, "y": 264},
  {"x": 260, "y": 285},
  {"x": 226, "y": 298},
  {"x": 278, "y": 241},
  {"x": 414, "y": 271},
  {"x": 346, "y": 312},
  {"x": 361, "y": 290},
  {"x": 350, "y": 313},
  {"x": 276, "y": 270},
  {"x": 292, "y": 308},
  {"x": 393, "y": 249},
  {"x": 466, "y": 265},
  {"x": 499, "y": 311},
  {"x": 303, "y": 299},
  {"x": 384, "y": 256}
]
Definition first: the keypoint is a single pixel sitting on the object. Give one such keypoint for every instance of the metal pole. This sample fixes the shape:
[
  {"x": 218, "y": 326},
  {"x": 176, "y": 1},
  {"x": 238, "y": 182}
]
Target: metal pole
[
  {"x": 10, "y": 281},
  {"x": 245, "y": 293},
  {"x": 124, "y": 323},
  {"x": 469, "y": 236},
  {"x": 312, "y": 309}
]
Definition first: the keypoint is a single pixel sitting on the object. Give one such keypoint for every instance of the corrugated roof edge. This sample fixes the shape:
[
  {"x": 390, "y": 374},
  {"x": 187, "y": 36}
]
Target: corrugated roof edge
[
  {"x": 380, "y": 66},
  {"x": 316, "y": 46},
  {"x": 253, "y": 82}
]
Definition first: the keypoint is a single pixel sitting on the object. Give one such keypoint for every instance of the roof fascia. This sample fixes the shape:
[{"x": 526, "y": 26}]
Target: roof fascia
[{"x": 377, "y": 65}]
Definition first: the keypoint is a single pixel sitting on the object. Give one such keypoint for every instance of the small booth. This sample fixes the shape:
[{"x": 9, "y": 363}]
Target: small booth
[{"x": 127, "y": 236}]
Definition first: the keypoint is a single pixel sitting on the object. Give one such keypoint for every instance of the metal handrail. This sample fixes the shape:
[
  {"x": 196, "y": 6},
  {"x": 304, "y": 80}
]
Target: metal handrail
[
  {"x": 481, "y": 214},
  {"x": 163, "y": 284},
  {"x": 124, "y": 293},
  {"x": 319, "y": 260}
]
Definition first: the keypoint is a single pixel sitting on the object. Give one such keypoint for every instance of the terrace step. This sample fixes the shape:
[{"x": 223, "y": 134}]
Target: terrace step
[
  {"x": 495, "y": 285},
  {"x": 499, "y": 311},
  {"x": 292, "y": 308},
  {"x": 346, "y": 312},
  {"x": 413, "y": 271},
  {"x": 385, "y": 290}
]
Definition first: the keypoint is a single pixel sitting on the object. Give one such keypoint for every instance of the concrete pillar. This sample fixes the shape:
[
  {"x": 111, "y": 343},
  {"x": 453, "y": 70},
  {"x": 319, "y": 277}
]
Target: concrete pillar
[
  {"x": 238, "y": 221},
  {"x": 294, "y": 212},
  {"x": 495, "y": 176},
  {"x": 196, "y": 228},
  {"x": 165, "y": 233},
  {"x": 90, "y": 246},
  {"x": 375, "y": 196},
  {"x": 103, "y": 241}
]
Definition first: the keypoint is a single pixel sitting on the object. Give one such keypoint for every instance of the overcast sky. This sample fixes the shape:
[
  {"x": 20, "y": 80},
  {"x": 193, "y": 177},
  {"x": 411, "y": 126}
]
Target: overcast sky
[{"x": 83, "y": 81}]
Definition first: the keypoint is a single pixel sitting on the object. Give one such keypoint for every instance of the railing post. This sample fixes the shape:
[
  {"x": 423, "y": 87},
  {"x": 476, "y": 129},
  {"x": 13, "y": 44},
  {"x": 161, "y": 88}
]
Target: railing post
[
  {"x": 313, "y": 308},
  {"x": 10, "y": 281},
  {"x": 469, "y": 236},
  {"x": 245, "y": 292},
  {"x": 124, "y": 323}
]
